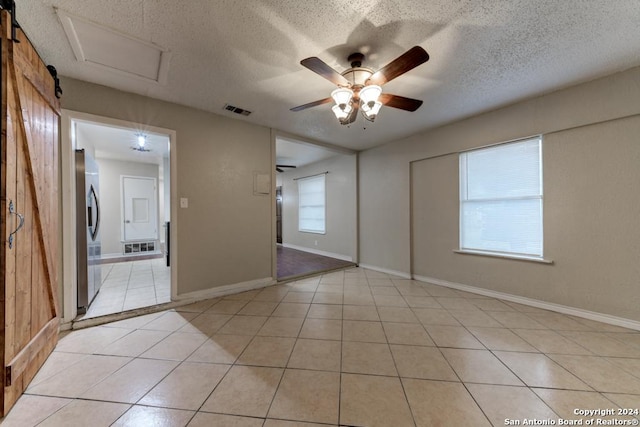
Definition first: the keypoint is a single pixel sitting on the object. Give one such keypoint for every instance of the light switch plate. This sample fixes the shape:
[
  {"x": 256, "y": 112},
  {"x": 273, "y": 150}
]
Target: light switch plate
[
  {"x": 184, "y": 202},
  {"x": 261, "y": 184}
]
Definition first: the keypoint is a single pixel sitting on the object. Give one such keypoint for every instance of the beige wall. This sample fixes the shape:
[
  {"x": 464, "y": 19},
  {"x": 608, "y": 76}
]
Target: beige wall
[
  {"x": 591, "y": 175},
  {"x": 225, "y": 235},
  {"x": 341, "y": 199}
]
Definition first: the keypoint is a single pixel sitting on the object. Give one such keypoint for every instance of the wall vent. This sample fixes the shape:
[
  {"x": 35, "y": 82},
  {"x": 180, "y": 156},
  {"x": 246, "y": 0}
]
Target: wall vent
[
  {"x": 236, "y": 110},
  {"x": 133, "y": 248}
]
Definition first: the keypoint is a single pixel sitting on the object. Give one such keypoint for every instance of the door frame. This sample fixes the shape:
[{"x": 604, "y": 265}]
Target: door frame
[
  {"x": 355, "y": 235},
  {"x": 68, "y": 291}
]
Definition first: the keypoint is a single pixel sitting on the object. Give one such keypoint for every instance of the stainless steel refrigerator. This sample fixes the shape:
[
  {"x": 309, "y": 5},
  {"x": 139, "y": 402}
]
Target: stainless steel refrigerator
[{"x": 88, "y": 229}]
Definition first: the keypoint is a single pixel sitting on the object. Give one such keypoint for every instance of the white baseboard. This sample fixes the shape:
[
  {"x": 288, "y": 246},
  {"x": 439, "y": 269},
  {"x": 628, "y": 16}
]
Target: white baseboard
[
  {"x": 564, "y": 309},
  {"x": 133, "y": 254},
  {"x": 318, "y": 252},
  {"x": 386, "y": 270},
  {"x": 225, "y": 290},
  {"x": 109, "y": 256}
]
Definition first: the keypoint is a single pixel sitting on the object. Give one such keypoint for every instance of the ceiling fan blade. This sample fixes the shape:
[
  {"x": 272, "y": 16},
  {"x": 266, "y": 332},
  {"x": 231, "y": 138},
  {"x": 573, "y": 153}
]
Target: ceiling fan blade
[
  {"x": 286, "y": 166},
  {"x": 405, "y": 62},
  {"x": 318, "y": 66},
  {"x": 279, "y": 170},
  {"x": 396, "y": 101},
  {"x": 312, "y": 104}
]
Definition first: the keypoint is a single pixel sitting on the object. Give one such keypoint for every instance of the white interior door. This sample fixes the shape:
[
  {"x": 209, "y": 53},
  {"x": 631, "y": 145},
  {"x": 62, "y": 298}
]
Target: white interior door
[{"x": 140, "y": 208}]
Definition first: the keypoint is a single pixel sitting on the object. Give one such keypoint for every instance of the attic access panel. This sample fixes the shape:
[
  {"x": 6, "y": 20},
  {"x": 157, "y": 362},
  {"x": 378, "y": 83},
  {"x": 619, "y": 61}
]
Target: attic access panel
[{"x": 113, "y": 50}]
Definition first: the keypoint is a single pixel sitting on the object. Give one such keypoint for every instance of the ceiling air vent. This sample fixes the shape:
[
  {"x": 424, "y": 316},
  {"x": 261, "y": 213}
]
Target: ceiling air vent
[{"x": 236, "y": 110}]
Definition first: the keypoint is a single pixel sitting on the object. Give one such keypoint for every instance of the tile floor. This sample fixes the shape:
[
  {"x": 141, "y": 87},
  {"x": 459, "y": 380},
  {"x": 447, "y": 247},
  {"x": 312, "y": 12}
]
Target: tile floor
[
  {"x": 131, "y": 284},
  {"x": 355, "y": 347}
]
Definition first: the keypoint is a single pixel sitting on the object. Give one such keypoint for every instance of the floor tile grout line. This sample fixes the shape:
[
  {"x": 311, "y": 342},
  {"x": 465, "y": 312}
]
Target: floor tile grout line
[
  {"x": 340, "y": 368},
  {"x": 424, "y": 326},
  {"x": 525, "y": 385},
  {"x": 458, "y": 376},
  {"x": 235, "y": 364},
  {"x": 225, "y": 374},
  {"x": 395, "y": 364}
]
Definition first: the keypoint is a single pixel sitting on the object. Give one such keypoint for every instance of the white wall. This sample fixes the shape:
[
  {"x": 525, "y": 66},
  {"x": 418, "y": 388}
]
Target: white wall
[
  {"x": 591, "y": 174},
  {"x": 341, "y": 202},
  {"x": 111, "y": 200}
]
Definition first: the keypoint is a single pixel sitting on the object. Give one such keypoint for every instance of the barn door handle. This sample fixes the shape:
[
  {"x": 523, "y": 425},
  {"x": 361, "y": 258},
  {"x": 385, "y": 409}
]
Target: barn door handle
[{"x": 12, "y": 210}]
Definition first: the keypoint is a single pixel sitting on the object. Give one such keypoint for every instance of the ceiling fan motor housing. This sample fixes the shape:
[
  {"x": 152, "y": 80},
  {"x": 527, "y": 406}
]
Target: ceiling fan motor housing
[
  {"x": 357, "y": 76},
  {"x": 355, "y": 59}
]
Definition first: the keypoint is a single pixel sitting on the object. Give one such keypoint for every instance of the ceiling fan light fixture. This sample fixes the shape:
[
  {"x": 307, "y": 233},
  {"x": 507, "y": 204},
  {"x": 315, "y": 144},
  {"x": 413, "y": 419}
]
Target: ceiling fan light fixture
[
  {"x": 341, "y": 113},
  {"x": 359, "y": 88},
  {"x": 370, "y": 113},
  {"x": 369, "y": 95},
  {"x": 342, "y": 97}
]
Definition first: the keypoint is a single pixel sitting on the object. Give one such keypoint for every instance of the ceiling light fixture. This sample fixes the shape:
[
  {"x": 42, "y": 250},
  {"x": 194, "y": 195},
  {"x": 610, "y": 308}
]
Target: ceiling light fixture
[
  {"x": 142, "y": 141},
  {"x": 342, "y": 96},
  {"x": 359, "y": 88},
  {"x": 366, "y": 99},
  {"x": 370, "y": 105},
  {"x": 370, "y": 113},
  {"x": 341, "y": 113},
  {"x": 360, "y": 97}
]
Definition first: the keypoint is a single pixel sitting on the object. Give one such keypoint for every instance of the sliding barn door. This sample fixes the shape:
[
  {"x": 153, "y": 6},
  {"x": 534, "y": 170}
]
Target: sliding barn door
[{"x": 30, "y": 234}]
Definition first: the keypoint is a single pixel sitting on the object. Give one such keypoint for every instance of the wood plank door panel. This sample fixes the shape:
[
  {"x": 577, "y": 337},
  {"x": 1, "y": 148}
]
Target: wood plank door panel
[{"x": 29, "y": 265}]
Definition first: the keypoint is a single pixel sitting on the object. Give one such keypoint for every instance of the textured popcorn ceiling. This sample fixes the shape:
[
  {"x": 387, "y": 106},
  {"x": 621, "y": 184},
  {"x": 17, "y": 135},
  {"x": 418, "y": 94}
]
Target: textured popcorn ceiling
[{"x": 484, "y": 54}]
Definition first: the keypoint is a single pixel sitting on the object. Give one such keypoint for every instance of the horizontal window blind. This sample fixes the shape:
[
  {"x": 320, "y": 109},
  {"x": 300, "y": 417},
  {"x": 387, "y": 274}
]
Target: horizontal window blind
[
  {"x": 501, "y": 199},
  {"x": 311, "y": 204}
]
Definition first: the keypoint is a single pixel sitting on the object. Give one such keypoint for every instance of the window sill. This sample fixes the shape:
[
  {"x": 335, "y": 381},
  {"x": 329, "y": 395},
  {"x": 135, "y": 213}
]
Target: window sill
[
  {"x": 507, "y": 256},
  {"x": 312, "y": 232}
]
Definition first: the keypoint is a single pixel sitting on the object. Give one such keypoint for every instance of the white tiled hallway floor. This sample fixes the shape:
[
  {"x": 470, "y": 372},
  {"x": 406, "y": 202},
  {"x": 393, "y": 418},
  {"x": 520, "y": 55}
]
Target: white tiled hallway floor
[
  {"x": 132, "y": 284},
  {"x": 347, "y": 348}
]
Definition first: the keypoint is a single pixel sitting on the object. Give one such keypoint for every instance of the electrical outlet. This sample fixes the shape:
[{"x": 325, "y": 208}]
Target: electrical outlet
[
  {"x": 184, "y": 202},
  {"x": 316, "y": 242}
]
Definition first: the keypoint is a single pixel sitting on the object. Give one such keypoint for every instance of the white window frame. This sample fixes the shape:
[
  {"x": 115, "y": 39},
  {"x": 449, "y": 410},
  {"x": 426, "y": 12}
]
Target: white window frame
[
  {"x": 301, "y": 183},
  {"x": 465, "y": 199}
]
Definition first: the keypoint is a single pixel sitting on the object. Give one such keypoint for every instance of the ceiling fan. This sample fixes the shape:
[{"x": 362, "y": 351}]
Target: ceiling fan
[
  {"x": 359, "y": 88},
  {"x": 279, "y": 167}
]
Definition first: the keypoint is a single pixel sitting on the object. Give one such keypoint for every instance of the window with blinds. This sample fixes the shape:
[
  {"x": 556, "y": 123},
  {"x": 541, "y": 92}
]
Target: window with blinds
[
  {"x": 311, "y": 204},
  {"x": 501, "y": 199}
]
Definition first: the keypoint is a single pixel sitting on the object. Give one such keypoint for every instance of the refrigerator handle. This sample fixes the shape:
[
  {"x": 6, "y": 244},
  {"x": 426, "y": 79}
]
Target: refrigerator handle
[{"x": 94, "y": 232}]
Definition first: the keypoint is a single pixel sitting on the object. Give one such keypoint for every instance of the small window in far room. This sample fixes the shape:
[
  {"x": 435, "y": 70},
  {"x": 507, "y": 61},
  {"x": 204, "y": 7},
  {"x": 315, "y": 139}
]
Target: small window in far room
[
  {"x": 311, "y": 204},
  {"x": 501, "y": 199}
]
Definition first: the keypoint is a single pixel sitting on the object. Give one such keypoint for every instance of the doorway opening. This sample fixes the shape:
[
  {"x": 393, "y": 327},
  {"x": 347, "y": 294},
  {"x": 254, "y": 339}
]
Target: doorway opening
[
  {"x": 316, "y": 208},
  {"x": 125, "y": 224}
]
